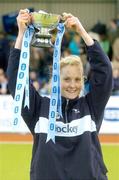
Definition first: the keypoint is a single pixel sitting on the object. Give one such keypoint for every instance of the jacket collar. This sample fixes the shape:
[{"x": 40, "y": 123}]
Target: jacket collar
[{"x": 70, "y": 101}]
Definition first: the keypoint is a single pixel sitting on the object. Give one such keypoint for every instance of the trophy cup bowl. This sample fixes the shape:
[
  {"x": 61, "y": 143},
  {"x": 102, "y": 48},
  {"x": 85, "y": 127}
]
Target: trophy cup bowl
[{"x": 43, "y": 23}]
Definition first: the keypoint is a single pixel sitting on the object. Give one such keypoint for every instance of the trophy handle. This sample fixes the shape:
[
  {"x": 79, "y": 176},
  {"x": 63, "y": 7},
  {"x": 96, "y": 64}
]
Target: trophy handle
[{"x": 62, "y": 19}]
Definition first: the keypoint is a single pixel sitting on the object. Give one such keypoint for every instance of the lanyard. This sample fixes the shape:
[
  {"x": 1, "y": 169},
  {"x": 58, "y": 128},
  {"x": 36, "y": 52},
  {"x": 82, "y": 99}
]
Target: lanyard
[
  {"x": 55, "y": 101},
  {"x": 22, "y": 83}
]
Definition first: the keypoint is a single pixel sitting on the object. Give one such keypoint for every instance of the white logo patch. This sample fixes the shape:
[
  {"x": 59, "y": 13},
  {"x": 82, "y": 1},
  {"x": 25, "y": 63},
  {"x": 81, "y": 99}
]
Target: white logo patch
[
  {"x": 76, "y": 110},
  {"x": 74, "y": 128}
]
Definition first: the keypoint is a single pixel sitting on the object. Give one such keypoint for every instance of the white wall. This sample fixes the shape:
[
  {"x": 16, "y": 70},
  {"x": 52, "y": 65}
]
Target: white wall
[{"x": 110, "y": 123}]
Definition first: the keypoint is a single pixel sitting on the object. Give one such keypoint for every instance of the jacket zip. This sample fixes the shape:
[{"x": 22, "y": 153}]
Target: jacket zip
[{"x": 66, "y": 108}]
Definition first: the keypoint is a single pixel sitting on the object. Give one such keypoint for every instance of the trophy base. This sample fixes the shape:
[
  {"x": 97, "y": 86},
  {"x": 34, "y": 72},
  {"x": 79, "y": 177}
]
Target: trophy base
[
  {"x": 41, "y": 41},
  {"x": 45, "y": 36},
  {"x": 41, "y": 45}
]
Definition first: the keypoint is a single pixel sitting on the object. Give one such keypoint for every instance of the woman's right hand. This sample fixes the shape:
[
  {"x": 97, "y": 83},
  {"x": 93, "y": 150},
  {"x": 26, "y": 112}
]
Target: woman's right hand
[{"x": 23, "y": 19}]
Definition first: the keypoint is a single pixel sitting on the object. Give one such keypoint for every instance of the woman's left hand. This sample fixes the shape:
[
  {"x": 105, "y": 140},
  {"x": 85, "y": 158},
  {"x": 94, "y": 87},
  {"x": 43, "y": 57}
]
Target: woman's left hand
[{"x": 72, "y": 22}]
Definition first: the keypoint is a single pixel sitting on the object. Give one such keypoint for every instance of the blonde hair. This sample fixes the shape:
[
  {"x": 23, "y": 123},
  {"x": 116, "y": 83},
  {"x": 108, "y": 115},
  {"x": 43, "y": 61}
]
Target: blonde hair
[
  {"x": 73, "y": 60},
  {"x": 115, "y": 65}
]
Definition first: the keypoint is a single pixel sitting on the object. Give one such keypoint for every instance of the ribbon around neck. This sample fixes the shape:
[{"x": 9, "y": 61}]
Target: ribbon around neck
[
  {"x": 22, "y": 84},
  {"x": 55, "y": 101}
]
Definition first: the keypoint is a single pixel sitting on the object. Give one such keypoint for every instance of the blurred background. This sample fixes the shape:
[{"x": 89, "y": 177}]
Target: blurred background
[{"x": 101, "y": 20}]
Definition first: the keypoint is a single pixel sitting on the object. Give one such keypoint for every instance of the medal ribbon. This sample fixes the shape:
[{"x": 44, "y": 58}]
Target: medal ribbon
[
  {"x": 22, "y": 84},
  {"x": 55, "y": 101}
]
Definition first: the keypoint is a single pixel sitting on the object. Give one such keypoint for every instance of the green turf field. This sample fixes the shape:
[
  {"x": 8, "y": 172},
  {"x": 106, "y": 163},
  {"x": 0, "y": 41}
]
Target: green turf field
[{"x": 15, "y": 161}]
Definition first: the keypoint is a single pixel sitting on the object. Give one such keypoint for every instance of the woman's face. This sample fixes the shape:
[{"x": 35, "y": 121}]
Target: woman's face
[{"x": 70, "y": 81}]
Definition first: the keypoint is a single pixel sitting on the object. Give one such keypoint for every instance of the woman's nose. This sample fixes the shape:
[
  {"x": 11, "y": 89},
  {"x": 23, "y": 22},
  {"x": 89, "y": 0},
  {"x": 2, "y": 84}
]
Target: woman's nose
[{"x": 72, "y": 84}]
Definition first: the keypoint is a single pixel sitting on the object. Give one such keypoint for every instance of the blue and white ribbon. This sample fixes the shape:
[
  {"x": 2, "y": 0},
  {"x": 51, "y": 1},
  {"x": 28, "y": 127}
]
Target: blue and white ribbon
[
  {"x": 55, "y": 101},
  {"x": 22, "y": 84}
]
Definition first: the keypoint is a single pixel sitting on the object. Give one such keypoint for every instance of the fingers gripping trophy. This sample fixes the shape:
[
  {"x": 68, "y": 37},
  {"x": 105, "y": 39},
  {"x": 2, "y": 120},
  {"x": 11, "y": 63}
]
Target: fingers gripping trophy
[{"x": 38, "y": 34}]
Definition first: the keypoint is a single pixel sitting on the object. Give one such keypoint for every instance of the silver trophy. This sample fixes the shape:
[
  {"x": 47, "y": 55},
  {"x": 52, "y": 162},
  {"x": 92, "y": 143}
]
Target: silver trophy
[{"x": 43, "y": 24}]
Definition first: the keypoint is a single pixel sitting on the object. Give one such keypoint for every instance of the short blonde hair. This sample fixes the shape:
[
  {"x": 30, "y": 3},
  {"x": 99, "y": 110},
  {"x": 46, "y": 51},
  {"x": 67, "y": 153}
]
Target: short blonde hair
[
  {"x": 115, "y": 65},
  {"x": 73, "y": 60}
]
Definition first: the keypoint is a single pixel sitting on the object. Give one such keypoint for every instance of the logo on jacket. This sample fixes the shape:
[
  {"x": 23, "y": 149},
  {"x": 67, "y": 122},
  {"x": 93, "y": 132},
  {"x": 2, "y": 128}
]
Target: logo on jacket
[
  {"x": 66, "y": 129},
  {"x": 76, "y": 110}
]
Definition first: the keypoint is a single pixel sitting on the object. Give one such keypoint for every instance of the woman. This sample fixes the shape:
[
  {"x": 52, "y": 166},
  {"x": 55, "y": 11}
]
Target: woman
[{"x": 76, "y": 155}]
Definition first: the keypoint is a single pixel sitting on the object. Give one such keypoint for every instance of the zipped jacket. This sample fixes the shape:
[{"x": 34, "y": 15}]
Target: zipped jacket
[{"x": 76, "y": 154}]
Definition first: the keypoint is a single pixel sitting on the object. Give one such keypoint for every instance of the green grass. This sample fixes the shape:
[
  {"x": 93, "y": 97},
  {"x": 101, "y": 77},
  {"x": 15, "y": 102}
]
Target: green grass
[
  {"x": 111, "y": 158},
  {"x": 15, "y": 161}
]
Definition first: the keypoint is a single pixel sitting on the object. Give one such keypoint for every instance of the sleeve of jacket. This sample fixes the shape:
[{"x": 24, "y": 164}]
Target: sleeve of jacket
[
  {"x": 100, "y": 82},
  {"x": 31, "y": 115}
]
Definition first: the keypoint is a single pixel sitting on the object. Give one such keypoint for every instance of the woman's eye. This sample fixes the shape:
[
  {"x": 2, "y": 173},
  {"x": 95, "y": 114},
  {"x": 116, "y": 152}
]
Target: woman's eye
[
  {"x": 78, "y": 80},
  {"x": 67, "y": 79}
]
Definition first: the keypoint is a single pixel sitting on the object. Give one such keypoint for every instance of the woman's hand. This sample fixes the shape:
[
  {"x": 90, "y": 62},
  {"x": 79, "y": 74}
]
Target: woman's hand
[
  {"x": 23, "y": 19},
  {"x": 73, "y": 23}
]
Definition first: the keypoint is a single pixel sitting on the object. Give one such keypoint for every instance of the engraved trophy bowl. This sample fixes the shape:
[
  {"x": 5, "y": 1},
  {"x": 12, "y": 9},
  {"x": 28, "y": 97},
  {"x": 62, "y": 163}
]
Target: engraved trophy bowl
[{"x": 43, "y": 23}]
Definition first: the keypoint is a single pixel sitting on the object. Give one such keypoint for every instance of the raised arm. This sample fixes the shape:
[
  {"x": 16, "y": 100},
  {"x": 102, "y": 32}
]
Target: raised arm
[
  {"x": 101, "y": 71},
  {"x": 73, "y": 23},
  {"x": 30, "y": 115},
  {"x": 23, "y": 19}
]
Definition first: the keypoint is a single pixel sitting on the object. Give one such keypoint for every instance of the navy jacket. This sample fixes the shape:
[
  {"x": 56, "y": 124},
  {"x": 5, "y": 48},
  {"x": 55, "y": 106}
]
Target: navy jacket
[{"x": 76, "y": 155}]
